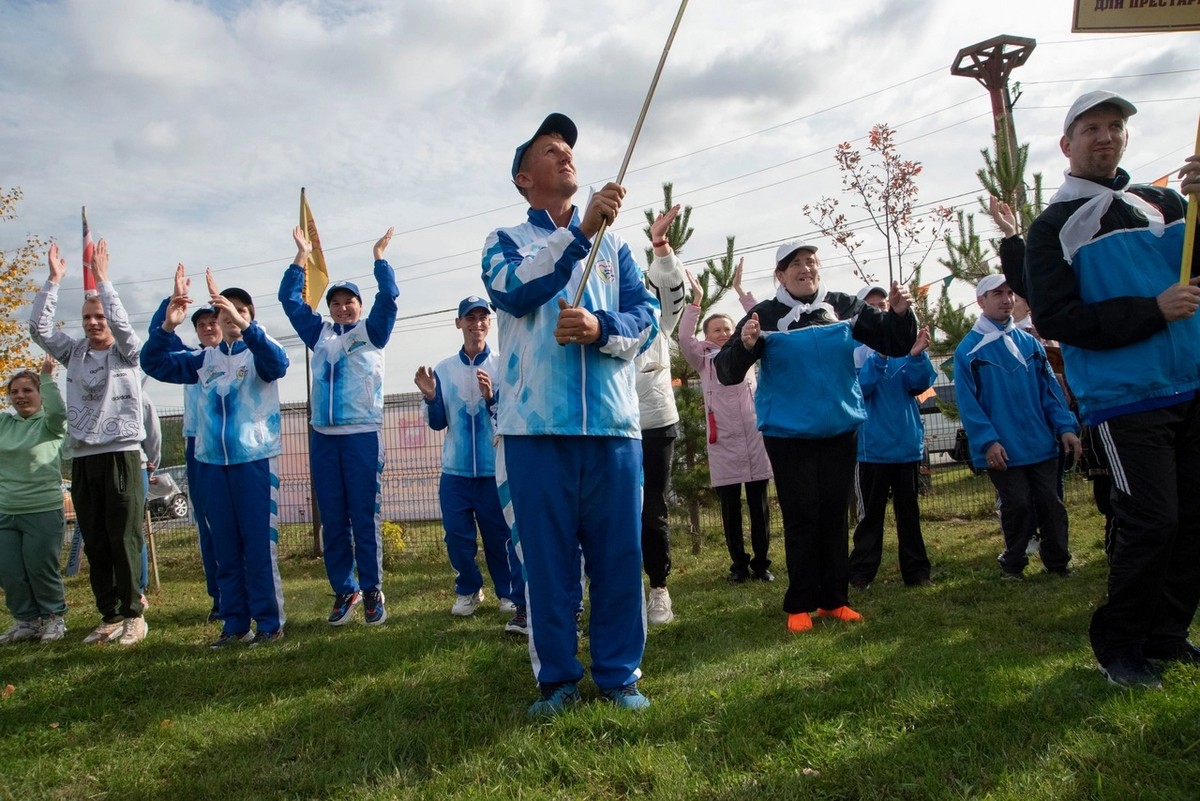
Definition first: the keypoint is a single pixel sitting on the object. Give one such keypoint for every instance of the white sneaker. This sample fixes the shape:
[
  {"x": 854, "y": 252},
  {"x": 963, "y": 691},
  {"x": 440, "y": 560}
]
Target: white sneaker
[
  {"x": 22, "y": 630},
  {"x": 53, "y": 628},
  {"x": 133, "y": 631},
  {"x": 465, "y": 605},
  {"x": 658, "y": 610},
  {"x": 507, "y": 607},
  {"x": 105, "y": 632}
]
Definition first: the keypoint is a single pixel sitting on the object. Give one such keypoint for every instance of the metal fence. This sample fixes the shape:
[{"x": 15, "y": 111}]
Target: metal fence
[{"x": 950, "y": 489}]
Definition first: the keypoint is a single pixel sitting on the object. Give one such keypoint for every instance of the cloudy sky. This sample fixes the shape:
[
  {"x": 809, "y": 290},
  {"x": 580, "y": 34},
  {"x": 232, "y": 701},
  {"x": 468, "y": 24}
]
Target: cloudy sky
[{"x": 188, "y": 128}]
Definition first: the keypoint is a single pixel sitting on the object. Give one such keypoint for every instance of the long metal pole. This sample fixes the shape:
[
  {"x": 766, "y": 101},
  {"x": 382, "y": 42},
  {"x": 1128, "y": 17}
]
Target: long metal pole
[{"x": 637, "y": 130}]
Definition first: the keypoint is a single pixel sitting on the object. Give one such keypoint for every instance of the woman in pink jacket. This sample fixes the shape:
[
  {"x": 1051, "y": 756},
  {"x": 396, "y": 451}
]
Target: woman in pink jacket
[{"x": 736, "y": 454}]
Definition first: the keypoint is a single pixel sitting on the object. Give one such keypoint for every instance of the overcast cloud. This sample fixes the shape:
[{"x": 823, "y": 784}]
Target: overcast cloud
[{"x": 188, "y": 128}]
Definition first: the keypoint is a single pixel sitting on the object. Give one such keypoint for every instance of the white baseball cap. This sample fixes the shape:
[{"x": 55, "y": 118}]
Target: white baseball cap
[
  {"x": 988, "y": 283},
  {"x": 788, "y": 248},
  {"x": 866, "y": 291},
  {"x": 1090, "y": 100}
]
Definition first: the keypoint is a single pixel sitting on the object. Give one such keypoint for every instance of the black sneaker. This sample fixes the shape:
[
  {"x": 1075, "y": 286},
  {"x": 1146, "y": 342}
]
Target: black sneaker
[
  {"x": 519, "y": 624},
  {"x": 214, "y": 616},
  {"x": 263, "y": 638},
  {"x": 374, "y": 611},
  {"x": 738, "y": 575},
  {"x": 228, "y": 638},
  {"x": 860, "y": 584},
  {"x": 763, "y": 575},
  {"x": 1131, "y": 672},
  {"x": 1185, "y": 653},
  {"x": 343, "y": 608}
]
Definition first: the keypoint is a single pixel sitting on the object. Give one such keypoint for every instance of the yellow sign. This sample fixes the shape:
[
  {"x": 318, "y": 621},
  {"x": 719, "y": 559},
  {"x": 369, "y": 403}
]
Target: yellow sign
[{"x": 1100, "y": 16}]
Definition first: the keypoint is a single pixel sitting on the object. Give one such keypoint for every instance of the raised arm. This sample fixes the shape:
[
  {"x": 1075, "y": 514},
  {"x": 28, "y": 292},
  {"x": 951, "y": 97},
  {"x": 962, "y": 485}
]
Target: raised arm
[
  {"x": 382, "y": 318},
  {"x": 41, "y": 313},
  {"x": 126, "y": 340},
  {"x": 305, "y": 321}
]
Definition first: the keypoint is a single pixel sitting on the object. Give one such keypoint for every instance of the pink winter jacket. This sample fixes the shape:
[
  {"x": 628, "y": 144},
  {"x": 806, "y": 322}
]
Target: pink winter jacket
[{"x": 737, "y": 456}]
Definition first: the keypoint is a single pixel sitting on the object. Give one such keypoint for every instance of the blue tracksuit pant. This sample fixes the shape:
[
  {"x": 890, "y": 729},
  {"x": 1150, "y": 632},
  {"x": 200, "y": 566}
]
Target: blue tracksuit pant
[
  {"x": 208, "y": 554},
  {"x": 561, "y": 494},
  {"x": 242, "y": 503},
  {"x": 347, "y": 472},
  {"x": 467, "y": 502}
]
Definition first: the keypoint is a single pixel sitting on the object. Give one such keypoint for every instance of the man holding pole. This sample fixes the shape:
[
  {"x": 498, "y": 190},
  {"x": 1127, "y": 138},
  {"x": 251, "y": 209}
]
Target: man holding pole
[
  {"x": 569, "y": 461},
  {"x": 1102, "y": 270}
]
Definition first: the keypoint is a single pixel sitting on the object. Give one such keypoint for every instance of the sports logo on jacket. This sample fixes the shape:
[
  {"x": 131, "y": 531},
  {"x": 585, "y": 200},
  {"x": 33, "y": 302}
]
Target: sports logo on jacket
[{"x": 606, "y": 270}]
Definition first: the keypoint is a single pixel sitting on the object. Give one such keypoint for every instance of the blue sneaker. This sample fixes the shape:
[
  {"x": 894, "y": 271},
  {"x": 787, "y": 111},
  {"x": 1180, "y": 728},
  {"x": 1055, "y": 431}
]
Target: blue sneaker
[
  {"x": 343, "y": 608},
  {"x": 373, "y": 610},
  {"x": 626, "y": 697},
  {"x": 555, "y": 699}
]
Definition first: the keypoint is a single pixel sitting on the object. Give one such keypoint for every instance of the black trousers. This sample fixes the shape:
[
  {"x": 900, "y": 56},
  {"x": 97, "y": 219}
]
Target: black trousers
[
  {"x": 1029, "y": 500},
  {"x": 110, "y": 500},
  {"x": 730, "y": 496},
  {"x": 1154, "y": 566},
  {"x": 812, "y": 481},
  {"x": 658, "y": 447},
  {"x": 874, "y": 481}
]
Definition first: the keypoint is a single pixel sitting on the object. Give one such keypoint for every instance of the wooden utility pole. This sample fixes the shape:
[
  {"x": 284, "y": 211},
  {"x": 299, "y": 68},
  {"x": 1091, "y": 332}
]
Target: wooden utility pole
[{"x": 991, "y": 62}]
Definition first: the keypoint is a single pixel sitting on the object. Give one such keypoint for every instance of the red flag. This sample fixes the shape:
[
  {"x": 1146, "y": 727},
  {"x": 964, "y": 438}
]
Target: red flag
[{"x": 89, "y": 280}]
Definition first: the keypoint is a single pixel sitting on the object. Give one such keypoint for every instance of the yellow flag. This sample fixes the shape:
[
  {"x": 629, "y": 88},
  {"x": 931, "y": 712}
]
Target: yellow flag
[{"x": 316, "y": 274}]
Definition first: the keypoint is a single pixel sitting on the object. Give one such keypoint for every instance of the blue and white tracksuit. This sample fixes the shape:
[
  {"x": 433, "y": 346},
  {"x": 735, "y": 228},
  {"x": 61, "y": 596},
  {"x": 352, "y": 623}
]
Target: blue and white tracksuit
[
  {"x": 1007, "y": 393},
  {"x": 237, "y": 444},
  {"x": 346, "y": 451},
  {"x": 191, "y": 401},
  {"x": 467, "y": 490},
  {"x": 569, "y": 464}
]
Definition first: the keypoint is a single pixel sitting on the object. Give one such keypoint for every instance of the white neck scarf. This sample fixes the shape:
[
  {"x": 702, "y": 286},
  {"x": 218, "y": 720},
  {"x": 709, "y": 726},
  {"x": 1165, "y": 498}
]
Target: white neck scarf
[
  {"x": 799, "y": 308},
  {"x": 991, "y": 332},
  {"x": 1085, "y": 222}
]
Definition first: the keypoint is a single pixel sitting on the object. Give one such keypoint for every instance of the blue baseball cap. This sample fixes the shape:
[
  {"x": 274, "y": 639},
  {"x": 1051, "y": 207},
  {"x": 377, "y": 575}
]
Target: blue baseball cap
[
  {"x": 200, "y": 312},
  {"x": 555, "y": 123},
  {"x": 470, "y": 304},
  {"x": 348, "y": 286}
]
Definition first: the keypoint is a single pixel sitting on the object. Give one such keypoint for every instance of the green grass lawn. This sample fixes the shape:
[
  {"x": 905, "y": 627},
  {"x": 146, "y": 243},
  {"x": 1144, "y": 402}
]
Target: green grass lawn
[{"x": 970, "y": 689}]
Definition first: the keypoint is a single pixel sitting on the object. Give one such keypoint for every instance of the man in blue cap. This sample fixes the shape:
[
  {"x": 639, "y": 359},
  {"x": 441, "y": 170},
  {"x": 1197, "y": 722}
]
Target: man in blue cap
[
  {"x": 569, "y": 462},
  {"x": 346, "y": 450},
  {"x": 460, "y": 399}
]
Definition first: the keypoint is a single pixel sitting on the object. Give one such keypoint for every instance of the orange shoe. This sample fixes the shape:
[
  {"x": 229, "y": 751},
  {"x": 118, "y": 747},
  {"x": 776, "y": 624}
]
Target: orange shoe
[
  {"x": 801, "y": 621},
  {"x": 841, "y": 613}
]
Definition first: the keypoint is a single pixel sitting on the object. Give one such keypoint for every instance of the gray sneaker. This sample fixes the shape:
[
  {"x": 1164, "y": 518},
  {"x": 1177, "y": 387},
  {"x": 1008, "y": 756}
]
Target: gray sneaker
[
  {"x": 53, "y": 628},
  {"x": 105, "y": 632},
  {"x": 658, "y": 610},
  {"x": 22, "y": 630},
  {"x": 465, "y": 605},
  {"x": 134, "y": 631}
]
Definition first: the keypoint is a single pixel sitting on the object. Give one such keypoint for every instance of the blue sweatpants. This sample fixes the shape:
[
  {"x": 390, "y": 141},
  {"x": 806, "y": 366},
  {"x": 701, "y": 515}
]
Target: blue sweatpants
[
  {"x": 347, "y": 472},
  {"x": 561, "y": 494},
  {"x": 242, "y": 508},
  {"x": 208, "y": 554},
  {"x": 467, "y": 502}
]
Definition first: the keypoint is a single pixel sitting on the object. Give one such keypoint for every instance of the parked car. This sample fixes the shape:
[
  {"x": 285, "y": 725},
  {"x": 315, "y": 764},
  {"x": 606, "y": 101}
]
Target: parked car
[{"x": 168, "y": 496}]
